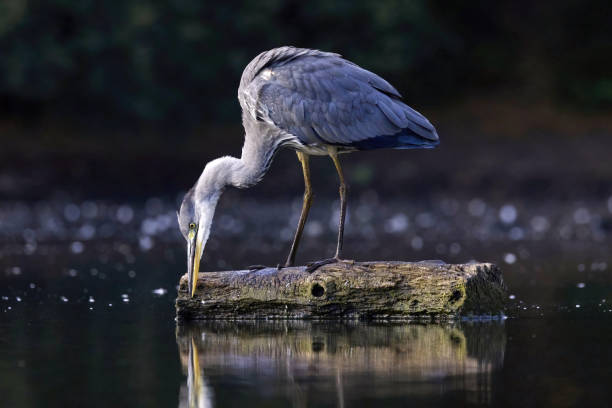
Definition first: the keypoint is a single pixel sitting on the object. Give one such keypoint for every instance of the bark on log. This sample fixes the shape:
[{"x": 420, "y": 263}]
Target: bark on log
[{"x": 360, "y": 290}]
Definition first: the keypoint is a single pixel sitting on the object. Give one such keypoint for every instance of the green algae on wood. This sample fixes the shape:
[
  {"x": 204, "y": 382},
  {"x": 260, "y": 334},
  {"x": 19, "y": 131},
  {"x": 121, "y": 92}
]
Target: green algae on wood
[{"x": 361, "y": 290}]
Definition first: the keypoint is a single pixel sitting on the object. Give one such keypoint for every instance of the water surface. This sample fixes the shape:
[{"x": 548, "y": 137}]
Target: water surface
[{"x": 87, "y": 295}]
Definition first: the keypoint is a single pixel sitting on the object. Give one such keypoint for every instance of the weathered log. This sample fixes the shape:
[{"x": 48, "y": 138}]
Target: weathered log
[{"x": 360, "y": 290}]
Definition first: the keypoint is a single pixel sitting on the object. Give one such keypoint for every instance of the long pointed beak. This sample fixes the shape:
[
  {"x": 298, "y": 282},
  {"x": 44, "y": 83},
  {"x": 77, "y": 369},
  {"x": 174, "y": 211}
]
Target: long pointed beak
[{"x": 194, "y": 252}]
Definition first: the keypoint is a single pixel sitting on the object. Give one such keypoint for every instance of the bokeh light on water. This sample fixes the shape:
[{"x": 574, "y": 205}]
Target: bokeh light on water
[
  {"x": 96, "y": 280},
  {"x": 81, "y": 242}
]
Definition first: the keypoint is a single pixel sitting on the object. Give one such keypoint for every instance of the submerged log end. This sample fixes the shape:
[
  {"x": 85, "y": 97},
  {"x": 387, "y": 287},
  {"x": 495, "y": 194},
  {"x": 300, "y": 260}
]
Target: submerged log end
[{"x": 360, "y": 290}]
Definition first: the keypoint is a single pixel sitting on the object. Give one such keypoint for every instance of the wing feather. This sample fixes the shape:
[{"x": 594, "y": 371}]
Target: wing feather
[
  {"x": 322, "y": 98},
  {"x": 394, "y": 117}
]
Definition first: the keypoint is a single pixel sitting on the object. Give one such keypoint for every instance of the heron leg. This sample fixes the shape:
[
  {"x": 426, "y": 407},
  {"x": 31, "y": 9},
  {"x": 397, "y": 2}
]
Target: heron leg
[
  {"x": 311, "y": 267},
  {"x": 303, "y": 158},
  {"x": 342, "y": 190}
]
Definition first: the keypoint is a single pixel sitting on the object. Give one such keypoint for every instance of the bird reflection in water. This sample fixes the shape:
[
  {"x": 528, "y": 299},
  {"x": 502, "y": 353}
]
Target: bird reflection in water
[
  {"x": 312, "y": 364},
  {"x": 195, "y": 393}
]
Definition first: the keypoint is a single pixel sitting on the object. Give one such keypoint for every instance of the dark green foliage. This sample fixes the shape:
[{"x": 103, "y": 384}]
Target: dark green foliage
[{"x": 179, "y": 61}]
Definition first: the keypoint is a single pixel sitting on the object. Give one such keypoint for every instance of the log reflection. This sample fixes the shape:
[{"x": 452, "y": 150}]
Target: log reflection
[{"x": 309, "y": 362}]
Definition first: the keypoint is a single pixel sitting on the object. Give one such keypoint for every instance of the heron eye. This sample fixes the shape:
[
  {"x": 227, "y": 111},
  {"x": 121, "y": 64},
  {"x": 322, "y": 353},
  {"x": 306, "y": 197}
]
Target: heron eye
[{"x": 191, "y": 225}]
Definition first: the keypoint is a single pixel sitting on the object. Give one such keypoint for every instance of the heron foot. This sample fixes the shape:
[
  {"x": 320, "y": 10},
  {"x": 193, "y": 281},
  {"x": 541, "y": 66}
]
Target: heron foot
[
  {"x": 313, "y": 266},
  {"x": 256, "y": 267},
  {"x": 278, "y": 267}
]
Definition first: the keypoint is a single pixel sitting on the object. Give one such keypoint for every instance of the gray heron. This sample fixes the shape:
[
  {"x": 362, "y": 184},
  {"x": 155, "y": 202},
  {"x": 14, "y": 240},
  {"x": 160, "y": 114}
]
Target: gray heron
[{"x": 318, "y": 104}]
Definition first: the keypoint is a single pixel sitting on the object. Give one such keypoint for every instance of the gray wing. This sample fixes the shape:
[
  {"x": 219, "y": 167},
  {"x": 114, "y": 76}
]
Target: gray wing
[{"x": 326, "y": 99}]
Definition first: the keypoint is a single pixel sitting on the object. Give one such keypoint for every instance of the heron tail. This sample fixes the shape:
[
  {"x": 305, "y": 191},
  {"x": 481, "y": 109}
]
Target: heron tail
[{"x": 406, "y": 139}]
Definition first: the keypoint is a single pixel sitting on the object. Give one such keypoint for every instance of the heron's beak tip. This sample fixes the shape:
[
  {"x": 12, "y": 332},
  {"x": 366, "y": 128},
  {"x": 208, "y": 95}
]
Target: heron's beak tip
[
  {"x": 194, "y": 265},
  {"x": 193, "y": 288}
]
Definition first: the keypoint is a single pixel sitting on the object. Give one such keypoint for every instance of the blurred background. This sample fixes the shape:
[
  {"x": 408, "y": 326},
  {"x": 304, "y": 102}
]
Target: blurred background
[
  {"x": 94, "y": 96},
  {"x": 110, "y": 110}
]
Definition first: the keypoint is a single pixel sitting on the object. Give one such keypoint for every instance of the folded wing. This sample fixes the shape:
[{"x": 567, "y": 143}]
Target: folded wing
[{"x": 324, "y": 99}]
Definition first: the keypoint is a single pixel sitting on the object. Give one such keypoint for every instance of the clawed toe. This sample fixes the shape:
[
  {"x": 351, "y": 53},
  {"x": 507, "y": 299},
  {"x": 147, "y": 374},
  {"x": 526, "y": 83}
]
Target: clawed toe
[
  {"x": 310, "y": 266},
  {"x": 313, "y": 266},
  {"x": 260, "y": 267},
  {"x": 256, "y": 267}
]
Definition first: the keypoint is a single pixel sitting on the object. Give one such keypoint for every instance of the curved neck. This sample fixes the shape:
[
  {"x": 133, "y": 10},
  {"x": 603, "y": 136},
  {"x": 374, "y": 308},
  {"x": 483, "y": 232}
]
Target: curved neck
[
  {"x": 257, "y": 153},
  {"x": 260, "y": 146}
]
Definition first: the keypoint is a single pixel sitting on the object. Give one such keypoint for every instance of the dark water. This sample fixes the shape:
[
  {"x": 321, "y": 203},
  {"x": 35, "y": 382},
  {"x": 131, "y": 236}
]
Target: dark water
[{"x": 87, "y": 310}]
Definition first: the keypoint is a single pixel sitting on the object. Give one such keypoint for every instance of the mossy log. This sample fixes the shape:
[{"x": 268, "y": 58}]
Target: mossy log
[{"x": 359, "y": 290}]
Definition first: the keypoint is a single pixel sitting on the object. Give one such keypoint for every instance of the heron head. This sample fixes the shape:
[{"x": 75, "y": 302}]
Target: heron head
[
  {"x": 195, "y": 218},
  {"x": 198, "y": 208}
]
